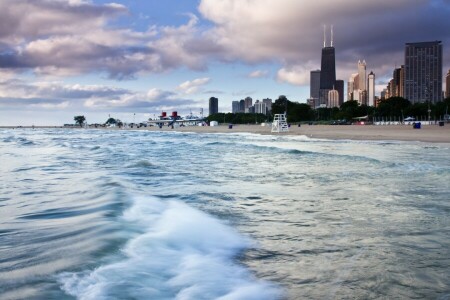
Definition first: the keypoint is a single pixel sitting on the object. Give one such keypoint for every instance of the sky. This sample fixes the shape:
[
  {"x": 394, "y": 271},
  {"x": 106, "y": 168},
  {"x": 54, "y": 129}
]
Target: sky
[{"x": 134, "y": 59}]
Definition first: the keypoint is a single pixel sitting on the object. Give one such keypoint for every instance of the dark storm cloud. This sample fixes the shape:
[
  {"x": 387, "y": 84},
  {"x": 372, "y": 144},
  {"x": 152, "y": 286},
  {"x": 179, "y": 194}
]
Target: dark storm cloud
[
  {"x": 291, "y": 31},
  {"x": 60, "y": 38}
]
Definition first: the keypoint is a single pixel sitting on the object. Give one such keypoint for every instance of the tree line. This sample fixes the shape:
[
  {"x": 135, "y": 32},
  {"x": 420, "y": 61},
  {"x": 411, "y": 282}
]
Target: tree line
[{"x": 394, "y": 108}]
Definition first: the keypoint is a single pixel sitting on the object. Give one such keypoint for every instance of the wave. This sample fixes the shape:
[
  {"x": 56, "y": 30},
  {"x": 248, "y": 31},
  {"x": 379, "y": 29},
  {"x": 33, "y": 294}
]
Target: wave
[
  {"x": 142, "y": 164},
  {"x": 179, "y": 253}
]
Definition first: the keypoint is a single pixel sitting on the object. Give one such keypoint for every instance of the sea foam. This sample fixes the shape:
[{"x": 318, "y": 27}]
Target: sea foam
[{"x": 177, "y": 252}]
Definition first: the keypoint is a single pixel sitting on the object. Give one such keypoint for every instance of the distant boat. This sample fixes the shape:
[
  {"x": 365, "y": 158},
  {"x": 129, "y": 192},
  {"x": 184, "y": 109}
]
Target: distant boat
[{"x": 175, "y": 119}]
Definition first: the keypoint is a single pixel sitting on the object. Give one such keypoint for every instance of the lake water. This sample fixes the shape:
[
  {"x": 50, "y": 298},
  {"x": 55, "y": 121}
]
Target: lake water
[{"x": 98, "y": 214}]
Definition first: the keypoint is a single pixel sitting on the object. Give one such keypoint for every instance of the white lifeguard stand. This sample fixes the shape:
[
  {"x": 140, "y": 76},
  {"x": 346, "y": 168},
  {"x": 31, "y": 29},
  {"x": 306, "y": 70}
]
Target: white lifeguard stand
[{"x": 279, "y": 123}]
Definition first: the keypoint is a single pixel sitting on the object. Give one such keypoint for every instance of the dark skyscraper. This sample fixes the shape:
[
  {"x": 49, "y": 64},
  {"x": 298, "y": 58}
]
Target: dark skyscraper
[
  {"x": 314, "y": 84},
  {"x": 213, "y": 105},
  {"x": 423, "y": 72},
  {"x": 339, "y": 86},
  {"x": 327, "y": 71}
]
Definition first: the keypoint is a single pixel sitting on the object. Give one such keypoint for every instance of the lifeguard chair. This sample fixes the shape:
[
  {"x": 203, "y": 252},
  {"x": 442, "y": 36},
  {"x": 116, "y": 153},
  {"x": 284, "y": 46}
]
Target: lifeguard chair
[{"x": 279, "y": 123}]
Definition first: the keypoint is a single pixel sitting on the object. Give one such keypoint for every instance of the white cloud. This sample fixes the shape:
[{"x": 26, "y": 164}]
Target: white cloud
[
  {"x": 258, "y": 74},
  {"x": 193, "y": 86},
  {"x": 296, "y": 75}
]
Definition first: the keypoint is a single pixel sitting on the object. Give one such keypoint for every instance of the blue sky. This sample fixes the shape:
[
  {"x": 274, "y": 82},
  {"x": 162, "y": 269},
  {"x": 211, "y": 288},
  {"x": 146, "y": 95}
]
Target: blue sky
[{"x": 60, "y": 58}]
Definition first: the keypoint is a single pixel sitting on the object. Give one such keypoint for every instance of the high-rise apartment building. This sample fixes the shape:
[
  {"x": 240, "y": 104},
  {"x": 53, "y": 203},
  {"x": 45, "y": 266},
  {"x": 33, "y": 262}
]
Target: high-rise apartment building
[
  {"x": 353, "y": 82},
  {"x": 339, "y": 86},
  {"x": 398, "y": 82},
  {"x": 213, "y": 105},
  {"x": 248, "y": 103},
  {"x": 362, "y": 75},
  {"x": 423, "y": 72},
  {"x": 242, "y": 106},
  {"x": 371, "y": 89},
  {"x": 268, "y": 103},
  {"x": 260, "y": 107},
  {"x": 357, "y": 84},
  {"x": 333, "y": 98},
  {"x": 314, "y": 87},
  {"x": 447, "y": 85},
  {"x": 235, "y": 107}
]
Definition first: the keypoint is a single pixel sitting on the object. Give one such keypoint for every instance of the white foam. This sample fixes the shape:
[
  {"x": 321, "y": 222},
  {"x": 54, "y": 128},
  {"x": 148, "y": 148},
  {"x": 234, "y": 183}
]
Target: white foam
[{"x": 181, "y": 253}]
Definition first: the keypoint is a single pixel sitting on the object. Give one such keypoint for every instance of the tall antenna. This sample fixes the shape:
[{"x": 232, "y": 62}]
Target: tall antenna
[
  {"x": 331, "y": 35},
  {"x": 324, "y": 35}
]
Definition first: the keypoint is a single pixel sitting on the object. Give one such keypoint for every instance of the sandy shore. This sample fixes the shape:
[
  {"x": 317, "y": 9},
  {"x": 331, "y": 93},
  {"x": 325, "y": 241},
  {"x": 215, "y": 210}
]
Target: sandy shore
[{"x": 428, "y": 133}]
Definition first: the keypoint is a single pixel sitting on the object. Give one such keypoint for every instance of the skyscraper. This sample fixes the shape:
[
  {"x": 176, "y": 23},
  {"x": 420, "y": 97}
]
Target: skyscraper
[
  {"x": 447, "y": 85},
  {"x": 353, "y": 82},
  {"x": 327, "y": 69},
  {"x": 260, "y": 107},
  {"x": 362, "y": 75},
  {"x": 333, "y": 98},
  {"x": 423, "y": 72},
  {"x": 268, "y": 103},
  {"x": 242, "y": 106},
  {"x": 327, "y": 73},
  {"x": 339, "y": 86},
  {"x": 314, "y": 84},
  {"x": 213, "y": 105},
  {"x": 248, "y": 104},
  {"x": 235, "y": 107},
  {"x": 371, "y": 89}
]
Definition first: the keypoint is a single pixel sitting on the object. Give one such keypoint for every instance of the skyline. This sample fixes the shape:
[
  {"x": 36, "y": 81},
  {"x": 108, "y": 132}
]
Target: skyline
[{"x": 95, "y": 58}]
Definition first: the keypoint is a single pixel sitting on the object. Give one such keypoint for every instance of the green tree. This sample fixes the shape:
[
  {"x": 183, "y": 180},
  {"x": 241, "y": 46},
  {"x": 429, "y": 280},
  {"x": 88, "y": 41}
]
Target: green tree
[
  {"x": 394, "y": 107},
  {"x": 349, "y": 110},
  {"x": 79, "y": 120},
  {"x": 111, "y": 121}
]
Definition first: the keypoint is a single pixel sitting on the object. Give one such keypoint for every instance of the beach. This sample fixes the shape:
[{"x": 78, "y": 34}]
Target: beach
[{"x": 428, "y": 133}]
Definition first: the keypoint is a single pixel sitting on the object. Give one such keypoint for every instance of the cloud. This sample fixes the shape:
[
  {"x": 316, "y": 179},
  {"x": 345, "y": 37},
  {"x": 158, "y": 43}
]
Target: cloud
[
  {"x": 293, "y": 75},
  {"x": 258, "y": 74},
  {"x": 193, "y": 86},
  {"x": 65, "y": 38},
  {"x": 290, "y": 31},
  {"x": 57, "y": 95}
]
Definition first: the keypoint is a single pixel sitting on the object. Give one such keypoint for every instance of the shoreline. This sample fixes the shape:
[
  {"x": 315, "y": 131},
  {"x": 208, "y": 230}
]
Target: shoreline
[{"x": 428, "y": 133}]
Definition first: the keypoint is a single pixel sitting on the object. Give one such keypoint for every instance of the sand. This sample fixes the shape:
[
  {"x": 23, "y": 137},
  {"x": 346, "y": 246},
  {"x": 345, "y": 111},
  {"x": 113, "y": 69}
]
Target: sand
[{"x": 428, "y": 133}]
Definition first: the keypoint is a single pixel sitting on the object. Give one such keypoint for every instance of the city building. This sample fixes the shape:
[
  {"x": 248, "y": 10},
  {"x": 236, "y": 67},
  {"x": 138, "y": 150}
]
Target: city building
[
  {"x": 242, "y": 106},
  {"x": 447, "y": 85},
  {"x": 383, "y": 95},
  {"x": 333, "y": 98},
  {"x": 312, "y": 102},
  {"x": 235, "y": 107},
  {"x": 314, "y": 84},
  {"x": 398, "y": 83},
  {"x": 260, "y": 107},
  {"x": 248, "y": 104},
  {"x": 268, "y": 103},
  {"x": 423, "y": 72},
  {"x": 357, "y": 84},
  {"x": 371, "y": 89},
  {"x": 362, "y": 75},
  {"x": 213, "y": 105},
  {"x": 327, "y": 70},
  {"x": 353, "y": 82},
  {"x": 339, "y": 86}
]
